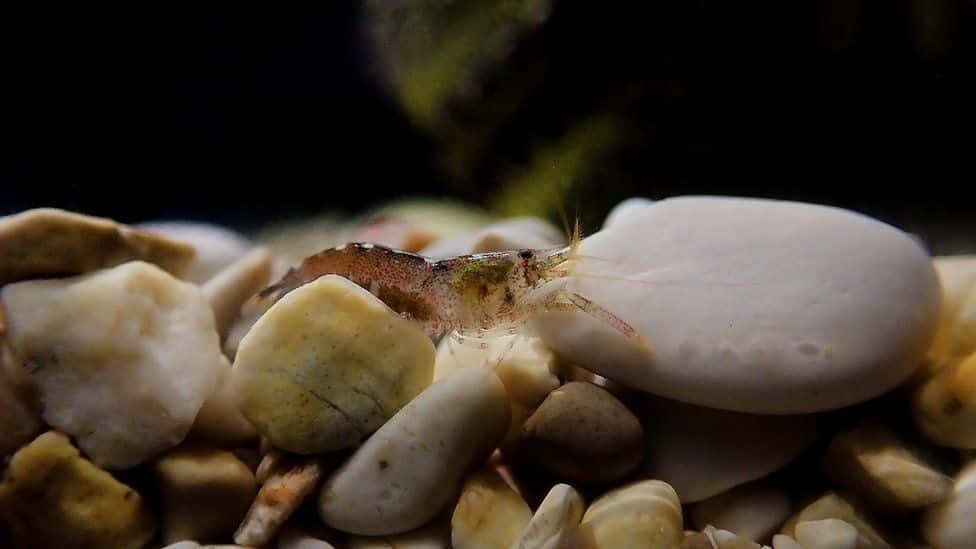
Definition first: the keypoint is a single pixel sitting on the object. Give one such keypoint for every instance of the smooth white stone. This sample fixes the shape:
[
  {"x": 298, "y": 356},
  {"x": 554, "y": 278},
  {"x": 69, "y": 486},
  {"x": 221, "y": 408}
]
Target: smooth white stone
[
  {"x": 122, "y": 359},
  {"x": 227, "y": 290},
  {"x": 782, "y": 541},
  {"x": 625, "y": 209},
  {"x": 752, "y": 305},
  {"x": 950, "y": 524},
  {"x": 753, "y": 511},
  {"x": 408, "y": 470},
  {"x": 217, "y": 247},
  {"x": 555, "y": 521},
  {"x": 509, "y": 234},
  {"x": 702, "y": 452}
]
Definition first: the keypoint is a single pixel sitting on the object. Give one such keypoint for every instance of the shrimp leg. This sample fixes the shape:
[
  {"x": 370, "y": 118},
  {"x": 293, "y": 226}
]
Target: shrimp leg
[{"x": 564, "y": 300}]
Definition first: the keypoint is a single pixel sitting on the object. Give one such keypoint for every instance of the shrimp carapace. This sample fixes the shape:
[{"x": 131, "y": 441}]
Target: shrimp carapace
[{"x": 471, "y": 294}]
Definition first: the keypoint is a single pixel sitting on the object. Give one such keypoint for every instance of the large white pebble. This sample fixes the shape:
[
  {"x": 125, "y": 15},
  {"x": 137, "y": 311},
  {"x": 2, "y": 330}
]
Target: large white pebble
[
  {"x": 950, "y": 524},
  {"x": 122, "y": 358},
  {"x": 702, "y": 451},
  {"x": 405, "y": 473},
  {"x": 752, "y": 305}
]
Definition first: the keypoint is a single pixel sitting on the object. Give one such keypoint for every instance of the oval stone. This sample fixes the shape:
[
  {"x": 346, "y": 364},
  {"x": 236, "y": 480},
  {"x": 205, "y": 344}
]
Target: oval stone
[
  {"x": 752, "y": 305},
  {"x": 411, "y": 467}
]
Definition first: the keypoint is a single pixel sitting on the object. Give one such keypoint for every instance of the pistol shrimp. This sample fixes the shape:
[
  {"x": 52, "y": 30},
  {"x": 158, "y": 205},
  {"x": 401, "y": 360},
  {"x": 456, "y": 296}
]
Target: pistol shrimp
[{"x": 477, "y": 295}]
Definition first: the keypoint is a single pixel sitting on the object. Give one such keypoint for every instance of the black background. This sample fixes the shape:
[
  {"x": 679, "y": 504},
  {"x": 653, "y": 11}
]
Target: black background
[{"x": 241, "y": 115}]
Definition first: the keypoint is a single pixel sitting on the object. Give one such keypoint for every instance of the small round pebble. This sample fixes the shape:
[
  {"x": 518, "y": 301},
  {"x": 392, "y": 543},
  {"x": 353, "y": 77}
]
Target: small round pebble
[{"x": 583, "y": 434}]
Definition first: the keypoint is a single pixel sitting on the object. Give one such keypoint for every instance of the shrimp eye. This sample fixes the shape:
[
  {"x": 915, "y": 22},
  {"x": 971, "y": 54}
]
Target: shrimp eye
[{"x": 525, "y": 254}]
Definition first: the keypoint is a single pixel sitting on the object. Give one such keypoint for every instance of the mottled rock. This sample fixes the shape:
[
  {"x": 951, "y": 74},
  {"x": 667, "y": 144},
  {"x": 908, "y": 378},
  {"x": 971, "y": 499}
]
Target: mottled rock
[
  {"x": 291, "y": 480},
  {"x": 702, "y": 452},
  {"x": 230, "y": 287},
  {"x": 883, "y": 470},
  {"x": 949, "y": 524},
  {"x": 757, "y": 306},
  {"x": 216, "y": 247},
  {"x": 826, "y": 534},
  {"x": 203, "y": 493},
  {"x": 641, "y": 515},
  {"x": 52, "y": 497},
  {"x": 405, "y": 473},
  {"x": 555, "y": 523},
  {"x": 327, "y": 365},
  {"x": 49, "y": 242},
  {"x": 832, "y": 506},
  {"x": 584, "y": 434},
  {"x": 121, "y": 359},
  {"x": 489, "y": 514},
  {"x": 753, "y": 511},
  {"x": 508, "y": 234}
]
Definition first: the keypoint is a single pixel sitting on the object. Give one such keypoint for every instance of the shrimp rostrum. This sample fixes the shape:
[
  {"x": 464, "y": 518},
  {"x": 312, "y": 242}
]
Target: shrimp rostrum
[{"x": 474, "y": 295}]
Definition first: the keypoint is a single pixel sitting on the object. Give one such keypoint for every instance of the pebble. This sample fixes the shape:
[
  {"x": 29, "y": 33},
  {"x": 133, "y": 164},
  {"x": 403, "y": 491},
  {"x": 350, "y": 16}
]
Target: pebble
[
  {"x": 509, "y": 234},
  {"x": 702, "y": 452},
  {"x": 50, "y": 496},
  {"x": 642, "y": 515},
  {"x": 944, "y": 405},
  {"x": 217, "y": 247},
  {"x": 757, "y": 306},
  {"x": 220, "y": 420},
  {"x": 489, "y": 514},
  {"x": 782, "y": 541},
  {"x": 189, "y": 544},
  {"x": 583, "y": 434},
  {"x": 19, "y": 423},
  {"x": 49, "y": 242},
  {"x": 753, "y": 510},
  {"x": 555, "y": 522},
  {"x": 122, "y": 359},
  {"x": 883, "y": 470},
  {"x": 956, "y": 337},
  {"x": 436, "y": 534},
  {"x": 826, "y": 534},
  {"x": 407, "y": 471},
  {"x": 229, "y": 288},
  {"x": 203, "y": 493},
  {"x": 625, "y": 209},
  {"x": 293, "y": 538},
  {"x": 832, "y": 506},
  {"x": 290, "y": 481},
  {"x": 949, "y": 524},
  {"x": 328, "y": 364},
  {"x": 717, "y": 538}
]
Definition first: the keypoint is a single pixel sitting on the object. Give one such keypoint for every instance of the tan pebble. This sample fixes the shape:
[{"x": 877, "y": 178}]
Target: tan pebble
[
  {"x": 489, "y": 514},
  {"x": 782, "y": 541},
  {"x": 50, "y": 496},
  {"x": 826, "y": 534},
  {"x": 49, "y": 242},
  {"x": 186, "y": 544},
  {"x": 220, "y": 420},
  {"x": 753, "y": 510},
  {"x": 234, "y": 284},
  {"x": 327, "y": 365},
  {"x": 955, "y": 338},
  {"x": 203, "y": 493},
  {"x": 555, "y": 521},
  {"x": 290, "y": 482},
  {"x": 642, "y": 515},
  {"x": 883, "y": 470},
  {"x": 293, "y": 538},
  {"x": 19, "y": 422},
  {"x": 950, "y": 524},
  {"x": 404, "y": 474},
  {"x": 833, "y": 506},
  {"x": 944, "y": 405},
  {"x": 583, "y": 434},
  {"x": 121, "y": 359}
]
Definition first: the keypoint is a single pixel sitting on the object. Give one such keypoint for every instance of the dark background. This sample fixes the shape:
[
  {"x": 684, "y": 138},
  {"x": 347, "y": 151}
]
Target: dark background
[{"x": 241, "y": 115}]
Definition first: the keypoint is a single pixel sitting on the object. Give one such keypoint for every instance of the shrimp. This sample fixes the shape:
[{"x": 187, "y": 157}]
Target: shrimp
[{"x": 472, "y": 295}]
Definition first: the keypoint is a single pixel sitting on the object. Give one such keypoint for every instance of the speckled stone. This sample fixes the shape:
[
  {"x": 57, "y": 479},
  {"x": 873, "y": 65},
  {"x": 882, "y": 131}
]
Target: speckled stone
[
  {"x": 583, "y": 434},
  {"x": 641, "y": 515},
  {"x": 328, "y": 364},
  {"x": 50, "y": 496},
  {"x": 489, "y": 514}
]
